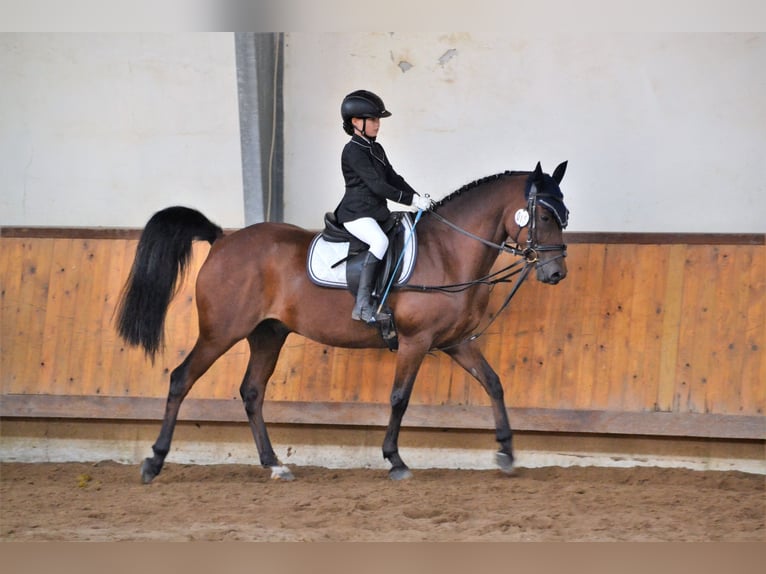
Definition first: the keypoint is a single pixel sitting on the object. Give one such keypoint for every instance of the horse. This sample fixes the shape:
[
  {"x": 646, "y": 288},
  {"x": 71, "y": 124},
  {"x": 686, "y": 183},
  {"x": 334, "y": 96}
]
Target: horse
[{"x": 253, "y": 285}]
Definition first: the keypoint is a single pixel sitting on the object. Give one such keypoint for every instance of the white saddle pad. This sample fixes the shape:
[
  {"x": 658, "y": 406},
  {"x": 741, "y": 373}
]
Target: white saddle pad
[{"x": 324, "y": 254}]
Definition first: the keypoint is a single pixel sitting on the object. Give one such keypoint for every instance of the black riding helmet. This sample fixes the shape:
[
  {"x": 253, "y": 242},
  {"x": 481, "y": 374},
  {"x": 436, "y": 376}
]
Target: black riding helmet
[{"x": 361, "y": 104}]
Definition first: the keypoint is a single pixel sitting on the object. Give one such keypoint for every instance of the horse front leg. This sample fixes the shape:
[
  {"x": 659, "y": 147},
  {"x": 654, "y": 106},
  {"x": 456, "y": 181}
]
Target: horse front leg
[
  {"x": 472, "y": 360},
  {"x": 409, "y": 359}
]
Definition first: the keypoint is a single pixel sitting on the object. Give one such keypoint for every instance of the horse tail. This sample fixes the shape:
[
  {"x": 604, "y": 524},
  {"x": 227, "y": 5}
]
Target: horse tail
[{"x": 163, "y": 253}]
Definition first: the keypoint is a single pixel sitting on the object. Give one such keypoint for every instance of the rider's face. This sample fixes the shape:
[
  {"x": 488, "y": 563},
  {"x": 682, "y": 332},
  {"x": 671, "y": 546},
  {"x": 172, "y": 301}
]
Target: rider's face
[{"x": 370, "y": 127}]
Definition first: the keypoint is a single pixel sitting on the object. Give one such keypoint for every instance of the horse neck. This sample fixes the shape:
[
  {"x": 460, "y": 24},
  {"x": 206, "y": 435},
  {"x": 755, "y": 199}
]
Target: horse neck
[{"x": 480, "y": 211}]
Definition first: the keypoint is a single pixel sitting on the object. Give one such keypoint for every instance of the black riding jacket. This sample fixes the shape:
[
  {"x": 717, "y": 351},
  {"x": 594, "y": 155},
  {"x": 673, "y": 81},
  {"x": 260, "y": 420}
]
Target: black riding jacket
[{"x": 370, "y": 180}]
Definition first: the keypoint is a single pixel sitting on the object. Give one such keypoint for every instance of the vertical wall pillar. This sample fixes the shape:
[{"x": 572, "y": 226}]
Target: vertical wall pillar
[{"x": 259, "y": 85}]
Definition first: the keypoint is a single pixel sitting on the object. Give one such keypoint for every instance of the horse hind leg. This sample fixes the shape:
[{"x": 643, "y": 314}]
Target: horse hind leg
[
  {"x": 471, "y": 359},
  {"x": 265, "y": 345},
  {"x": 182, "y": 379}
]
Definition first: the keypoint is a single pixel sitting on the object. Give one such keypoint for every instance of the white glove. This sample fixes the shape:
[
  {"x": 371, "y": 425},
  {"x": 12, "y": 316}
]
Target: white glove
[{"x": 421, "y": 202}]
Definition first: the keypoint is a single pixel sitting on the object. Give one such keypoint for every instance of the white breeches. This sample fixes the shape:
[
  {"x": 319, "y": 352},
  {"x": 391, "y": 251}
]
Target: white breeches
[{"x": 367, "y": 229}]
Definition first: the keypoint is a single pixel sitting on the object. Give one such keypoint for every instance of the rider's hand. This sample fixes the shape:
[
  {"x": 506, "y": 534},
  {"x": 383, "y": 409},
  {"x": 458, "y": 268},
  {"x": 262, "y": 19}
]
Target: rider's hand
[{"x": 421, "y": 202}]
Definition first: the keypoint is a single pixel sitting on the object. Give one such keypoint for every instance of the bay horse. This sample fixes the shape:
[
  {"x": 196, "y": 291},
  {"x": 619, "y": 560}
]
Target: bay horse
[{"x": 253, "y": 285}]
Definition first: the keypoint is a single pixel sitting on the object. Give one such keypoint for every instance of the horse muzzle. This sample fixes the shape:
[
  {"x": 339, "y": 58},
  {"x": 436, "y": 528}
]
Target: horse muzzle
[{"x": 551, "y": 270}]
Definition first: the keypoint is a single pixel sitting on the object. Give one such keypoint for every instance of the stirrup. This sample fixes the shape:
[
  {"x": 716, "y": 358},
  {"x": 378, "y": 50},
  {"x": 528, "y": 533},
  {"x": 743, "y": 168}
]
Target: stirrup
[{"x": 366, "y": 314}]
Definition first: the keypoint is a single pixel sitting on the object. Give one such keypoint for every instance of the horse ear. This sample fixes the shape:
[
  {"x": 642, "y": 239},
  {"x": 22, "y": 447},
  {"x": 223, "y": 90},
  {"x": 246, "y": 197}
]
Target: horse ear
[
  {"x": 558, "y": 173},
  {"x": 537, "y": 174}
]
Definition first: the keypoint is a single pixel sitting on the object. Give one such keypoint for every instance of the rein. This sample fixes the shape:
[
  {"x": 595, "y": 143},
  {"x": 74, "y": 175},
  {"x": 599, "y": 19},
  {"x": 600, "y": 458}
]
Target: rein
[{"x": 529, "y": 253}]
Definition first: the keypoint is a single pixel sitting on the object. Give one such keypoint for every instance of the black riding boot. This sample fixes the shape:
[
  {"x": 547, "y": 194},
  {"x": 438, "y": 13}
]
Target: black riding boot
[{"x": 364, "y": 310}]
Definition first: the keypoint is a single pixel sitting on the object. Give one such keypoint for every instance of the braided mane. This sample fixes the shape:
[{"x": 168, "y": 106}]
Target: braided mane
[{"x": 475, "y": 184}]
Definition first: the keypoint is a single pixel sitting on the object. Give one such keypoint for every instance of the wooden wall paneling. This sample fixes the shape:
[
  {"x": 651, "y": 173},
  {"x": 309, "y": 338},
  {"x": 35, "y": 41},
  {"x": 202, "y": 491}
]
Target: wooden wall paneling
[
  {"x": 700, "y": 309},
  {"x": 364, "y": 380},
  {"x": 428, "y": 386},
  {"x": 83, "y": 333},
  {"x": 139, "y": 376},
  {"x": 608, "y": 327},
  {"x": 516, "y": 349},
  {"x": 24, "y": 315},
  {"x": 93, "y": 273},
  {"x": 287, "y": 372},
  {"x": 337, "y": 382},
  {"x": 723, "y": 389},
  {"x": 21, "y": 303},
  {"x": 315, "y": 380},
  {"x": 10, "y": 286},
  {"x": 443, "y": 369},
  {"x": 347, "y": 377},
  {"x": 556, "y": 344},
  {"x": 58, "y": 319},
  {"x": 25, "y": 325},
  {"x": 686, "y": 332},
  {"x": 671, "y": 320},
  {"x": 620, "y": 378},
  {"x": 108, "y": 342},
  {"x": 571, "y": 298},
  {"x": 116, "y": 378},
  {"x": 531, "y": 373},
  {"x": 377, "y": 372},
  {"x": 586, "y": 279},
  {"x": 502, "y": 345},
  {"x": 491, "y": 342},
  {"x": 17, "y": 302},
  {"x": 636, "y": 326},
  {"x": 499, "y": 344},
  {"x": 645, "y": 329},
  {"x": 424, "y": 389},
  {"x": 542, "y": 359},
  {"x": 349, "y": 374},
  {"x": 181, "y": 330},
  {"x": 292, "y": 357},
  {"x": 70, "y": 355},
  {"x": 224, "y": 378},
  {"x": 753, "y": 336}
]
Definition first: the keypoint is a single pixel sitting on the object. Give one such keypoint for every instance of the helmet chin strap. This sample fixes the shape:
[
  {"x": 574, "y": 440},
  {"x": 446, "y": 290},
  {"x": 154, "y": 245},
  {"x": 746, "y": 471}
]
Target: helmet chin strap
[{"x": 363, "y": 131}]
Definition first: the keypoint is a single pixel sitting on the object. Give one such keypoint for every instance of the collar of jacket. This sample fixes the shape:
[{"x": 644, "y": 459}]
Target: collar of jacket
[{"x": 362, "y": 141}]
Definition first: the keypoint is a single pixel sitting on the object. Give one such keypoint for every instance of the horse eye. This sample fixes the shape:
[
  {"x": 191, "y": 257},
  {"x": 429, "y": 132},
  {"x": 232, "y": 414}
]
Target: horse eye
[{"x": 545, "y": 218}]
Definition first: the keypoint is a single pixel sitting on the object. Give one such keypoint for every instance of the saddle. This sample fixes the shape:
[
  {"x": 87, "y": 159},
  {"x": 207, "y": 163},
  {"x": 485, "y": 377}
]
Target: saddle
[{"x": 335, "y": 260}]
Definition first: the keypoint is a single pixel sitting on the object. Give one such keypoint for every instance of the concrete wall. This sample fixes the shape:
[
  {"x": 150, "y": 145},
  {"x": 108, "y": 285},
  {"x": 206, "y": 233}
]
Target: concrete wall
[
  {"x": 664, "y": 132},
  {"x": 105, "y": 129}
]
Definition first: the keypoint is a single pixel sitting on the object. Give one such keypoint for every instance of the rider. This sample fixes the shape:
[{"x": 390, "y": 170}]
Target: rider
[{"x": 370, "y": 181}]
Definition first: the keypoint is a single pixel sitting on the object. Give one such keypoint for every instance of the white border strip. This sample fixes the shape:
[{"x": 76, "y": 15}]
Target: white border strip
[{"x": 14, "y": 449}]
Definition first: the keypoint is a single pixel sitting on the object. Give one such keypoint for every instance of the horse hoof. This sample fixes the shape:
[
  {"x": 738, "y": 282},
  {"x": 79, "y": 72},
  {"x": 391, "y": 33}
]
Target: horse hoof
[
  {"x": 505, "y": 463},
  {"x": 400, "y": 473},
  {"x": 281, "y": 473},
  {"x": 147, "y": 473}
]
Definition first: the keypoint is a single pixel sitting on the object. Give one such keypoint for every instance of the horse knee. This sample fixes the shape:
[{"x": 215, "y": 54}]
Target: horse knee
[{"x": 249, "y": 398}]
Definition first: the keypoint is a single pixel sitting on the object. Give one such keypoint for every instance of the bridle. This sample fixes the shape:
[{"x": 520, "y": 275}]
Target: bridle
[
  {"x": 533, "y": 248},
  {"x": 530, "y": 254}
]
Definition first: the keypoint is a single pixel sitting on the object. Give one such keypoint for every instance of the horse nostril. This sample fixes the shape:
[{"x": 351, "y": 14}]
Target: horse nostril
[{"x": 556, "y": 277}]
